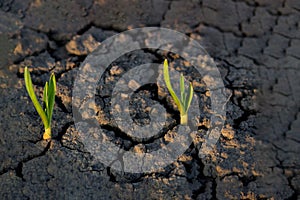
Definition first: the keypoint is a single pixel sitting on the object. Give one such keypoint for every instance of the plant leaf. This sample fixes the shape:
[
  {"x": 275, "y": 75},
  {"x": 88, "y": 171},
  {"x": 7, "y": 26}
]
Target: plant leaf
[
  {"x": 184, "y": 101},
  {"x": 189, "y": 97},
  {"x": 51, "y": 97},
  {"x": 45, "y": 97},
  {"x": 182, "y": 92},
  {"x": 169, "y": 86},
  {"x": 37, "y": 105}
]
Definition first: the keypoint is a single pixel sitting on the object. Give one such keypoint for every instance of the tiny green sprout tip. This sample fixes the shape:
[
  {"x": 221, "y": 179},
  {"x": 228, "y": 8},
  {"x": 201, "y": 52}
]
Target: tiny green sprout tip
[
  {"x": 48, "y": 100},
  {"x": 185, "y": 100}
]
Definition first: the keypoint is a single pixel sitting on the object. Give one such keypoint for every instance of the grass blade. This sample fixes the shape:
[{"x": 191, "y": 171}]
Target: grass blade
[
  {"x": 37, "y": 105},
  {"x": 51, "y": 97},
  {"x": 169, "y": 86},
  {"x": 45, "y": 97},
  {"x": 182, "y": 92},
  {"x": 189, "y": 97}
]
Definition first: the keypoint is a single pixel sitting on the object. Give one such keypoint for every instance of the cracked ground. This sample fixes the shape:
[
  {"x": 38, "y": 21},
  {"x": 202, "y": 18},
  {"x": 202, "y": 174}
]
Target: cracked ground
[{"x": 256, "y": 46}]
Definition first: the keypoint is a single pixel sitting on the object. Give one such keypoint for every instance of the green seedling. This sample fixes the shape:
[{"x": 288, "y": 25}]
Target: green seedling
[
  {"x": 48, "y": 100},
  {"x": 185, "y": 100}
]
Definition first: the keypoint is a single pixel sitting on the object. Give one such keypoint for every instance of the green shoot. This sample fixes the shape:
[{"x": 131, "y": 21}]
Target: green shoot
[
  {"x": 48, "y": 100},
  {"x": 185, "y": 100}
]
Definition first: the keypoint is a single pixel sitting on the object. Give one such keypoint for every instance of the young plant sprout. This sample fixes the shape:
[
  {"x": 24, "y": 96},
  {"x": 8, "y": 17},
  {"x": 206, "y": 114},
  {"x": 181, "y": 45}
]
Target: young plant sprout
[
  {"x": 185, "y": 100},
  {"x": 48, "y": 100}
]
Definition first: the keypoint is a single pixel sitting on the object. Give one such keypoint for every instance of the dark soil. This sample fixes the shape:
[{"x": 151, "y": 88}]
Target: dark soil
[{"x": 256, "y": 46}]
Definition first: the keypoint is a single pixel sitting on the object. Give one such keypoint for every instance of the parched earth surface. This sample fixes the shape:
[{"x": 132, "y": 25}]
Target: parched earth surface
[{"x": 256, "y": 46}]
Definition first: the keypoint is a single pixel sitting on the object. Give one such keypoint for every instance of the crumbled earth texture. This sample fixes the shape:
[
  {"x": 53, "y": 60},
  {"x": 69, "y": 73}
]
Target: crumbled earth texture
[{"x": 256, "y": 46}]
